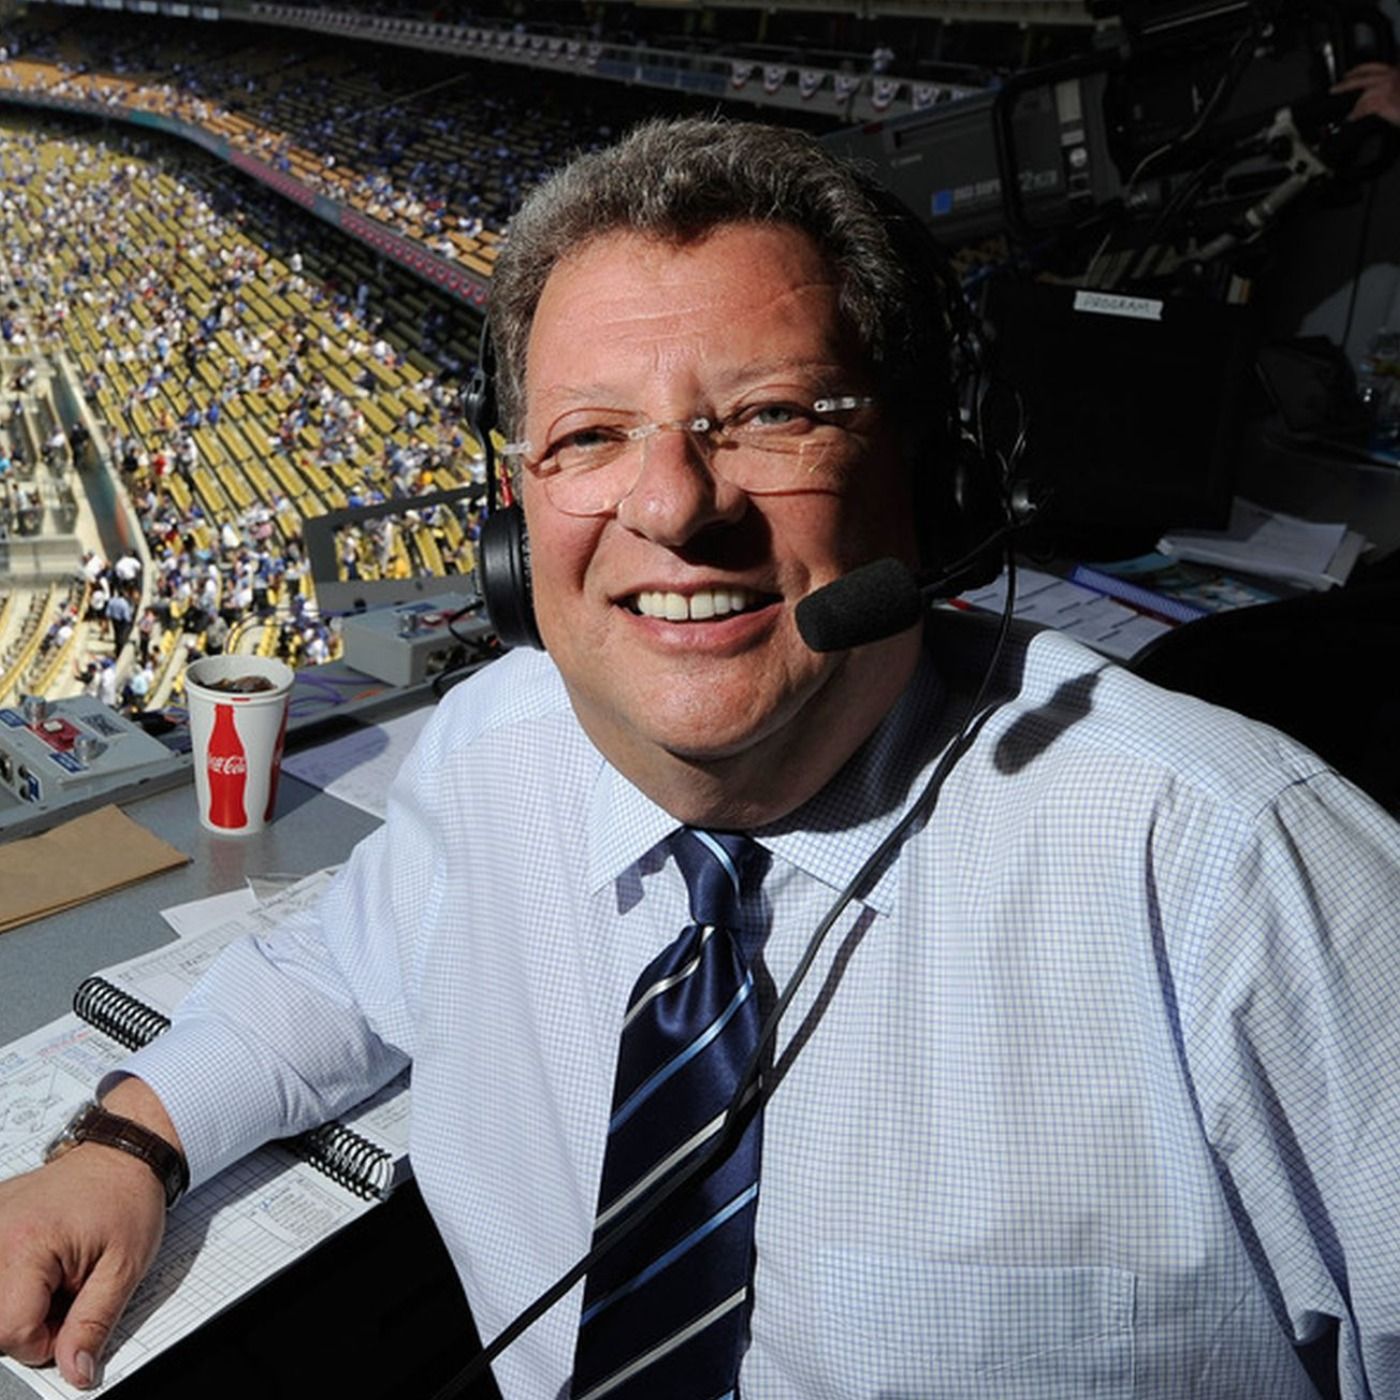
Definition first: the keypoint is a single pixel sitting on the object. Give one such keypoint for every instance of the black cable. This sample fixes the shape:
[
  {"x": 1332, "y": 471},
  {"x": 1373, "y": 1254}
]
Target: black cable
[
  {"x": 1178, "y": 205},
  {"x": 1237, "y": 61},
  {"x": 1241, "y": 54},
  {"x": 749, "y": 1084}
]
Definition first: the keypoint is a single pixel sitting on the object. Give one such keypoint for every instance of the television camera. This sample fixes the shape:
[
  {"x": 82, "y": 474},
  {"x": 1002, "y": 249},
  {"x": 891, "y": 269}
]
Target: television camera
[{"x": 1177, "y": 140}]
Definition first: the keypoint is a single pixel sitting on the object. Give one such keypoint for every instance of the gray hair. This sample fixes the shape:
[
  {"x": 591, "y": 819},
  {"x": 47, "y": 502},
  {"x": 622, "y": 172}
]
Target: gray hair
[{"x": 677, "y": 180}]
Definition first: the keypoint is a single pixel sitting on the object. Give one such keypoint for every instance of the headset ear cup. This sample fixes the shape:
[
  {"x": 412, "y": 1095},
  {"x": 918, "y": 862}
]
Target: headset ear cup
[
  {"x": 503, "y": 549},
  {"x": 503, "y": 577},
  {"x": 964, "y": 518}
]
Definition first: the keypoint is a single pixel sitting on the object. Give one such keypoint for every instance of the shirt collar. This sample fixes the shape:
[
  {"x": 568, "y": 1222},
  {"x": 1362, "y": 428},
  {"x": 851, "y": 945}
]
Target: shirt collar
[
  {"x": 832, "y": 835},
  {"x": 623, "y": 825},
  {"x": 828, "y": 837}
]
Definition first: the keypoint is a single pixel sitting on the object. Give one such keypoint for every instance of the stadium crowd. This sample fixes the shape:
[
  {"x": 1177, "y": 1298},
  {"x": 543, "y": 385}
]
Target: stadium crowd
[
  {"x": 437, "y": 150},
  {"x": 237, "y": 389}
]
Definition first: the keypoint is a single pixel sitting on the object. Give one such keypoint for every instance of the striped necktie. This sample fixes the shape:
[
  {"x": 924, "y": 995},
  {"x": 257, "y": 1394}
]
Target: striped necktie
[{"x": 665, "y": 1313}]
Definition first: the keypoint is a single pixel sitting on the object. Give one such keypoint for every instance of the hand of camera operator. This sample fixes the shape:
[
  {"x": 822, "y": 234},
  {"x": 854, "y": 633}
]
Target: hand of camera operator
[
  {"x": 1378, "y": 86},
  {"x": 76, "y": 1237}
]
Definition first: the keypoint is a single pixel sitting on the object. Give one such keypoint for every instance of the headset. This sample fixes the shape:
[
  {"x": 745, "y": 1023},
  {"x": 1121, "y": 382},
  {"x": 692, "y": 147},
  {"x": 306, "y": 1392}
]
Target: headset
[
  {"x": 503, "y": 547},
  {"x": 964, "y": 506}
]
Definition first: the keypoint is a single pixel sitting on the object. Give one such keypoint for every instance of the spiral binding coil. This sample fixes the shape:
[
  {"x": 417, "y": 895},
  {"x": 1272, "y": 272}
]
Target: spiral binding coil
[
  {"x": 344, "y": 1156},
  {"x": 115, "y": 1012}
]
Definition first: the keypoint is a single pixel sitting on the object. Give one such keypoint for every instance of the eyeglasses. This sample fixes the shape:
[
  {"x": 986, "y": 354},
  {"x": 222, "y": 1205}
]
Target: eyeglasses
[{"x": 592, "y": 464}]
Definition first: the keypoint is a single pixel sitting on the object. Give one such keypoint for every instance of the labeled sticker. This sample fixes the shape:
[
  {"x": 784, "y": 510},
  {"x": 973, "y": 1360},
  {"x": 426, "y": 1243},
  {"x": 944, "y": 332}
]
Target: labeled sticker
[{"x": 1108, "y": 304}]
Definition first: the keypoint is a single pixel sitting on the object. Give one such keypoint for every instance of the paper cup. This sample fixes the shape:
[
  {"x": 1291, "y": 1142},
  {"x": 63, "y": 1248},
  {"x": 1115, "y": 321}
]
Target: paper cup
[{"x": 236, "y": 740}]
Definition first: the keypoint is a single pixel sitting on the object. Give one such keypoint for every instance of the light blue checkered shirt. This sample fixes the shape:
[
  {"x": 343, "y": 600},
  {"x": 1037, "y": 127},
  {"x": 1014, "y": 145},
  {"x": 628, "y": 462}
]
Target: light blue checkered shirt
[{"x": 1096, "y": 1093}]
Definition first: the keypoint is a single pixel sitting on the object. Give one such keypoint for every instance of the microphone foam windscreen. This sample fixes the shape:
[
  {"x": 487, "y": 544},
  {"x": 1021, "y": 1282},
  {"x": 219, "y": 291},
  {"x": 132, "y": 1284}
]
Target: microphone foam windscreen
[{"x": 868, "y": 604}]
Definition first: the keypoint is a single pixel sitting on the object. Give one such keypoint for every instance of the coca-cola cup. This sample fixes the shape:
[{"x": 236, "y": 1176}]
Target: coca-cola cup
[{"x": 238, "y": 720}]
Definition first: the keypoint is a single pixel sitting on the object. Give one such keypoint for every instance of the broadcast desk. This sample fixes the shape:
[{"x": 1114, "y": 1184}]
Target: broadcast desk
[{"x": 376, "y": 1311}]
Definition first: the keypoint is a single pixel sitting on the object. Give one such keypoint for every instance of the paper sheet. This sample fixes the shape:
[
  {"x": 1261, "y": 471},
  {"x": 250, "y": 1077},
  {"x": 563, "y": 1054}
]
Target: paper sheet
[
  {"x": 1272, "y": 545},
  {"x": 359, "y": 767},
  {"x": 1080, "y": 613},
  {"x": 196, "y": 915},
  {"x": 163, "y": 977},
  {"x": 248, "y": 909}
]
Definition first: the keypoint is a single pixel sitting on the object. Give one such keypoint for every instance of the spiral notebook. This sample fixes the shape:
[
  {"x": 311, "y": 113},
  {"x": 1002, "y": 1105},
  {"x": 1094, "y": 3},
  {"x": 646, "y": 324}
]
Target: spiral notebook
[{"x": 234, "y": 1233}]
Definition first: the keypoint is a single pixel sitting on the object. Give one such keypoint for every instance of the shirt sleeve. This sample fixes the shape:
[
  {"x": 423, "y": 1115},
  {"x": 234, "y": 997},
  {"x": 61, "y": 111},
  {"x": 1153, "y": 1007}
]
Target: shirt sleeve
[
  {"x": 1291, "y": 1029},
  {"x": 296, "y": 1025}
]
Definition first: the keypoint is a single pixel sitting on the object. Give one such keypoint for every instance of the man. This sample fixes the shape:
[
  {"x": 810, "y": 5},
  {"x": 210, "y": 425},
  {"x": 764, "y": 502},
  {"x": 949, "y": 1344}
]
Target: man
[
  {"x": 127, "y": 570},
  {"x": 55, "y": 446},
  {"x": 120, "y": 614},
  {"x": 1090, "y": 1090}
]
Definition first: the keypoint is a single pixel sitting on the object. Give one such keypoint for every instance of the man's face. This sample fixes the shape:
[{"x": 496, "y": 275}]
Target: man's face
[{"x": 668, "y": 332}]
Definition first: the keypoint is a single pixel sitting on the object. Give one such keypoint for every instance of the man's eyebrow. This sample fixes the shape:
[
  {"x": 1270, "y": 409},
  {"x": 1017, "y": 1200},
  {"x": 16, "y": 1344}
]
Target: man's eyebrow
[
  {"x": 753, "y": 372},
  {"x": 577, "y": 395},
  {"x": 597, "y": 394}
]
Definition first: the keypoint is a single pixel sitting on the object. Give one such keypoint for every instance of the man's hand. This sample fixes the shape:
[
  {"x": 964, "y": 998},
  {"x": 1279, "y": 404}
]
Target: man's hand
[
  {"x": 76, "y": 1237},
  {"x": 1379, "y": 88}
]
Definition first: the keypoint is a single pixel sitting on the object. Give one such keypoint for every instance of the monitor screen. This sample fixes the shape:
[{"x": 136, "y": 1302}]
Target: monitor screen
[{"x": 1133, "y": 408}]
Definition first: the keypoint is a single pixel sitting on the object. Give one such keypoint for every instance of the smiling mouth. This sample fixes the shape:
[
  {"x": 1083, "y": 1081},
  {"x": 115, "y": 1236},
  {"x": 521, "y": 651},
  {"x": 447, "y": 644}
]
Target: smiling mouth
[{"x": 702, "y": 606}]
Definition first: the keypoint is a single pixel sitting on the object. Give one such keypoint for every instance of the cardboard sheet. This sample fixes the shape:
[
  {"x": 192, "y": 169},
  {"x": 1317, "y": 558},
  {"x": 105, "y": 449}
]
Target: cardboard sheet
[{"x": 77, "y": 861}]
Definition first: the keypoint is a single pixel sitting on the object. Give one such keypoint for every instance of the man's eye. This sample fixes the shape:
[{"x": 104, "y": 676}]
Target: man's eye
[
  {"x": 580, "y": 446},
  {"x": 588, "y": 437},
  {"x": 772, "y": 417}
]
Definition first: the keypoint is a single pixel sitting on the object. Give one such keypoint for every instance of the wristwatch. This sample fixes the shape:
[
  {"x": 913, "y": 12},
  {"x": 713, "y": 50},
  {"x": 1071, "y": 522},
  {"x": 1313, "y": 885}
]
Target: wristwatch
[{"x": 92, "y": 1123}]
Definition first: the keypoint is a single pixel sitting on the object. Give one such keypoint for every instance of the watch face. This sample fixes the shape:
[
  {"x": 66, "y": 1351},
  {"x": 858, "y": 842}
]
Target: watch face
[
  {"x": 59, "y": 1145},
  {"x": 92, "y": 1123},
  {"x": 68, "y": 1136}
]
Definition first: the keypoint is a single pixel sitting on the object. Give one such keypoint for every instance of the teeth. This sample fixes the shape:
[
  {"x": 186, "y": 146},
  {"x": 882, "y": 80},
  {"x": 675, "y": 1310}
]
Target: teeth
[{"x": 694, "y": 607}]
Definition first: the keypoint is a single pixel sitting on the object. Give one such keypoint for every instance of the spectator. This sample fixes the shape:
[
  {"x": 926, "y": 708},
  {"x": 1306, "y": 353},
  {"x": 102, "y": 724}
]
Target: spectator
[
  {"x": 107, "y": 681},
  {"x": 119, "y": 615}
]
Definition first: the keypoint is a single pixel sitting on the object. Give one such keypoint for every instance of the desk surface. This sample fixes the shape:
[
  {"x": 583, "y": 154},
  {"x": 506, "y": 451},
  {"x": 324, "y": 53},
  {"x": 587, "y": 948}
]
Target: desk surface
[{"x": 42, "y": 962}]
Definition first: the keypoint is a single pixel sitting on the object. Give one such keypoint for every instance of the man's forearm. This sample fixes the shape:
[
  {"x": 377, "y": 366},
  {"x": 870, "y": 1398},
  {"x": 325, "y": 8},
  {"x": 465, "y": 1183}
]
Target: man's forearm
[{"x": 133, "y": 1098}]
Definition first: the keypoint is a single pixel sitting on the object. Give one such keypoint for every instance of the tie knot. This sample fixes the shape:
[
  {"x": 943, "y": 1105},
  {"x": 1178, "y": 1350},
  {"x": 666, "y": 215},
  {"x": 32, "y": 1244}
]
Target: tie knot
[{"x": 713, "y": 864}]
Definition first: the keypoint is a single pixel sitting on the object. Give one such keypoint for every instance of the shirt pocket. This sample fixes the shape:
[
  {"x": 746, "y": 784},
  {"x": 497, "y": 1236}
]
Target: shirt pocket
[{"x": 910, "y": 1328}]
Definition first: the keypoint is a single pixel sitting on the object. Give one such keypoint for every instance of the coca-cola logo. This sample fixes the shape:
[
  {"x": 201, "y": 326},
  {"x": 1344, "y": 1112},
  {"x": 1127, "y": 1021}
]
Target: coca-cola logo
[{"x": 232, "y": 764}]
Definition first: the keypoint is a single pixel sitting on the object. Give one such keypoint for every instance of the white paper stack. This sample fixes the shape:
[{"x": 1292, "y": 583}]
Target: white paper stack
[{"x": 1271, "y": 545}]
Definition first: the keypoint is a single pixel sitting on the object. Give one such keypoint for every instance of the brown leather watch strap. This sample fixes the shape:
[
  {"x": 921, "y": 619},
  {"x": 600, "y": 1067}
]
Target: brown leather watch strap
[{"x": 93, "y": 1123}]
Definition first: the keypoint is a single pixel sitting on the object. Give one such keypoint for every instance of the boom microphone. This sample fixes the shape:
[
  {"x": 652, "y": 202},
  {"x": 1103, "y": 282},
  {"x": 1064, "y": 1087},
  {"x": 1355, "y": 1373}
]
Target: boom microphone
[{"x": 866, "y": 605}]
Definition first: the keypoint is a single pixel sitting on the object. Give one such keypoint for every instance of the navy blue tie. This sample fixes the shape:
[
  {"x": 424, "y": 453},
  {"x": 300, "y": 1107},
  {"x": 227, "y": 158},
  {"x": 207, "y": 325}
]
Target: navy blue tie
[{"x": 665, "y": 1313}]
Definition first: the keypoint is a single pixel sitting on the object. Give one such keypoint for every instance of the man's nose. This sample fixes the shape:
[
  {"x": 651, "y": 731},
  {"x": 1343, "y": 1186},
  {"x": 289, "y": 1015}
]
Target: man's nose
[{"x": 677, "y": 492}]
